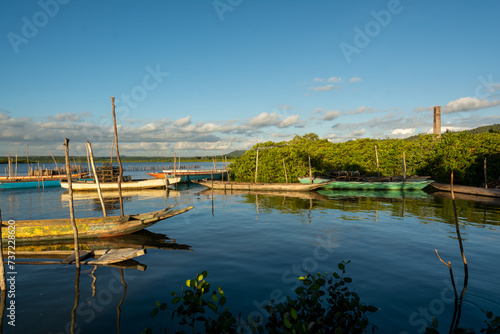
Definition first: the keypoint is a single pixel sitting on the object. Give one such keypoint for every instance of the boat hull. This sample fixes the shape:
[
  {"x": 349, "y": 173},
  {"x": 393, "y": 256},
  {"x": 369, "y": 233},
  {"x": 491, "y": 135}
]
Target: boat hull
[
  {"x": 29, "y": 184},
  {"x": 106, "y": 186},
  {"x": 249, "y": 186},
  {"x": 97, "y": 227},
  {"x": 467, "y": 190},
  {"x": 307, "y": 180},
  {"x": 389, "y": 185},
  {"x": 190, "y": 175}
]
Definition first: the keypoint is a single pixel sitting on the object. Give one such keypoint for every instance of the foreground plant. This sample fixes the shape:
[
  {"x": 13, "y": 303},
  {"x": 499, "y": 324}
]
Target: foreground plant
[{"x": 322, "y": 305}]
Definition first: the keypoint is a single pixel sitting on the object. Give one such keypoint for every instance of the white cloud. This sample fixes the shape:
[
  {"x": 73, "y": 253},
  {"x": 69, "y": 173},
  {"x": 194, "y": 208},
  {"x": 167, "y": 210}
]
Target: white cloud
[
  {"x": 67, "y": 116},
  {"x": 335, "y": 79},
  {"x": 331, "y": 115},
  {"x": 289, "y": 121},
  {"x": 183, "y": 121},
  {"x": 403, "y": 132},
  {"x": 318, "y": 79},
  {"x": 324, "y": 88},
  {"x": 468, "y": 104},
  {"x": 264, "y": 119},
  {"x": 358, "y": 133},
  {"x": 355, "y": 79}
]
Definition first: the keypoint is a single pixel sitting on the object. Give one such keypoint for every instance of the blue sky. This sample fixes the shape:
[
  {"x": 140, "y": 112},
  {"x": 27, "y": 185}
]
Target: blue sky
[{"x": 210, "y": 77}]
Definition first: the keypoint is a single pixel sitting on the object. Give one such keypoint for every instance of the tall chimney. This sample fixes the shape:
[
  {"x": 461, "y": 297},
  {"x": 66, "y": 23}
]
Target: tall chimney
[{"x": 437, "y": 121}]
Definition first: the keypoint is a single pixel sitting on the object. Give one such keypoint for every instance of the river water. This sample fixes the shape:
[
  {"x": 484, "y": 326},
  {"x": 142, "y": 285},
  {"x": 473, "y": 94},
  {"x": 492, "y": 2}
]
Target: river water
[{"x": 255, "y": 246}]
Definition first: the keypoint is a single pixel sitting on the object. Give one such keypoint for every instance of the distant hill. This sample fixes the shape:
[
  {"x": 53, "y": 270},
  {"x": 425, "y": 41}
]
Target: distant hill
[
  {"x": 481, "y": 129},
  {"x": 486, "y": 128},
  {"x": 236, "y": 154}
]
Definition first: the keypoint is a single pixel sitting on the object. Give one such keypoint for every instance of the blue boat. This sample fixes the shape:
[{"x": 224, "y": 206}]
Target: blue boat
[{"x": 29, "y": 184}]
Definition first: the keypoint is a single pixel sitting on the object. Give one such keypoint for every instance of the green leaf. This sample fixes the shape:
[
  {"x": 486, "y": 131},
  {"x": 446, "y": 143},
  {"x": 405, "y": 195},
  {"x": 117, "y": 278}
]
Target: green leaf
[
  {"x": 154, "y": 312},
  {"x": 348, "y": 279},
  {"x": 212, "y": 306},
  {"x": 176, "y": 300},
  {"x": 293, "y": 313},
  {"x": 191, "y": 283},
  {"x": 287, "y": 322},
  {"x": 341, "y": 266},
  {"x": 337, "y": 276}
]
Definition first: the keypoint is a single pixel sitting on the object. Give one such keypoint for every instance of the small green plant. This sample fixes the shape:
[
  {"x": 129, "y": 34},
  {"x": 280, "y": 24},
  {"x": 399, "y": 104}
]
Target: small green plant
[
  {"x": 322, "y": 305},
  {"x": 492, "y": 323}
]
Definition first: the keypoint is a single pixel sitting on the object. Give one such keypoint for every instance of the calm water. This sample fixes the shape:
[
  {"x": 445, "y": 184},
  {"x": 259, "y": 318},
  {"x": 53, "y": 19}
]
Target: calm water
[{"x": 255, "y": 246}]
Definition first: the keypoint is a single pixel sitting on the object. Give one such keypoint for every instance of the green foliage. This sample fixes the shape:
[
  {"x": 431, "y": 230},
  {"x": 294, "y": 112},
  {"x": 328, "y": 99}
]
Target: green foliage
[
  {"x": 492, "y": 323},
  {"x": 463, "y": 153},
  {"x": 322, "y": 305}
]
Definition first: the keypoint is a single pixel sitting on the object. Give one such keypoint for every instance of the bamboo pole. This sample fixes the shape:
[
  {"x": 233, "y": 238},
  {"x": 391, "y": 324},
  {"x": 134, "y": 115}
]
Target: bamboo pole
[
  {"x": 404, "y": 166},
  {"x": 485, "y": 175},
  {"x": 28, "y": 158},
  {"x": 310, "y": 172},
  {"x": 88, "y": 160},
  {"x": 175, "y": 165},
  {"x": 256, "y": 165},
  {"x": 57, "y": 168},
  {"x": 71, "y": 208},
  {"x": 118, "y": 158},
  {"x": 3, "y": 285},
  {"x": 284, "y": 167},
  {"x": 376, "y": 156},
  {"x": 96, "y": 178},
  {"x": 16, "y": 166}
]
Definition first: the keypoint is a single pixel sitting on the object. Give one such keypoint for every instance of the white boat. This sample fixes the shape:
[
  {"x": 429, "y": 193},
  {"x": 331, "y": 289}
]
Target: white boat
[{"x": 137, "y": 184}]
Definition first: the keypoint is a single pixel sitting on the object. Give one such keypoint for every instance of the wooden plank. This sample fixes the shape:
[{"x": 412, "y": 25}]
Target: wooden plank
[
  {"x": 118, "y": 255},
  {"x": 71, "y": 258}
]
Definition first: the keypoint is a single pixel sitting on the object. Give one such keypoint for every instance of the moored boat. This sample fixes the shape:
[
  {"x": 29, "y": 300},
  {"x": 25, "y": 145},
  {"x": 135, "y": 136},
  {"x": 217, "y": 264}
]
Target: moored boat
[
  {"x": 228, "y": 186},
  {"x": 190, "y": 175},
  {"x": 316, "y": 179},
  {"x": 96, "y": 227},
  {"x": 7, "y": 182},
  {"x": 488, "y": 192},
  {"x": 408, "y": 184},
  {"x": 137, "y": 184}
]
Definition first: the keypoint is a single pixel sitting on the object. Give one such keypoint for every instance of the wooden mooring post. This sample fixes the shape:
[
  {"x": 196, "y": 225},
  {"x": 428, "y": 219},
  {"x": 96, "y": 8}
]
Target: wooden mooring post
[
  {"x": 376, "y": 157},
  {"x": 118, "y": 157},
  {"x": 71, "y": 208},
  {"x": 284, "y": 167},
  {"x": 256, "y": 165},
  {"x": 96, "y": 178},
  {"x": 310, "y": 172},
  {"x": 485, "y": 175}
]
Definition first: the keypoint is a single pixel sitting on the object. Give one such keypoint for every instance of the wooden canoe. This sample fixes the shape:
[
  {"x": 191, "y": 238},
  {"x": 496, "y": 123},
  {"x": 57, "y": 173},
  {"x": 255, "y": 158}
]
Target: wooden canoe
[
  {"x": 377, "y": 185},
  {"x": 249, "y": 186},
  {"x": 105, "y": 186},
  {"x": 191, "y": 175},
  {"x": 96, "y": 227},
  {"x": 467, "y": 190}
]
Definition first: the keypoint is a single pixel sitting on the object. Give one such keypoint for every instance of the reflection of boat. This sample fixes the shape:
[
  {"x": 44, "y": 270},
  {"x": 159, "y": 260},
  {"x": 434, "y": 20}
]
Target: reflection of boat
[
  {"x": 59, "y": 249},
  {"x": 474, "y": 198},
  {"x": 229, "y": 186},
  {"x": 295, "y": 194},
  {"x": 137, "y": 184},
  {"x": 335, "y": 193},
  {"x": 113, "y": 195},
  {"x": 30, "y": 230},
  {"x": 190, "y": 175},
  {"x": 409, "y": 184},
  {"x": 467, "y": 190}
]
